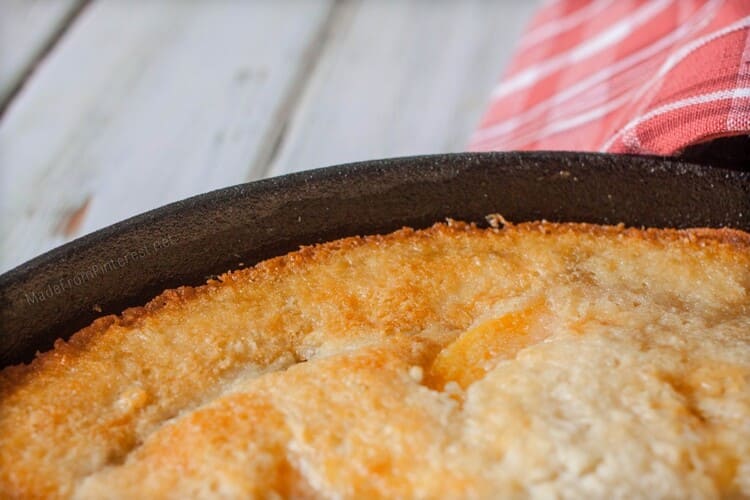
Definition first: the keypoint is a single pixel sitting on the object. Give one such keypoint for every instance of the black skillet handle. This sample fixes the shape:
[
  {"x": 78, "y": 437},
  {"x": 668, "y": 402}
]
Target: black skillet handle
[{"x": 725, "y": 152}]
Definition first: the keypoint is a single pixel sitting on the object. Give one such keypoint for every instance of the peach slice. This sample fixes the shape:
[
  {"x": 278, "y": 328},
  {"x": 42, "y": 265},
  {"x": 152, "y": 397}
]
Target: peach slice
[{"x": 467, "y": 359}]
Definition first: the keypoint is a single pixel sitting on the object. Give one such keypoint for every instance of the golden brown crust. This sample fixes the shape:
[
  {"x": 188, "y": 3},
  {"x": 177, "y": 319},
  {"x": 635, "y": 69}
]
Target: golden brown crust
[
  {"x": 315, "y": 253},
  {"x": 408, "y": 296}
]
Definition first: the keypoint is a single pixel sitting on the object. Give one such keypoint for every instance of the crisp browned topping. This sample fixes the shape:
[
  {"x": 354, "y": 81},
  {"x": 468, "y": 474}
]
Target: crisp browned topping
[{"x": 536, "y": 359}]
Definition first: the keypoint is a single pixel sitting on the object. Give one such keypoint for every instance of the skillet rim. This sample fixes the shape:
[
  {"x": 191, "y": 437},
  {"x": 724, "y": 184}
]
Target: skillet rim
[{"x": 409, "y": 169}]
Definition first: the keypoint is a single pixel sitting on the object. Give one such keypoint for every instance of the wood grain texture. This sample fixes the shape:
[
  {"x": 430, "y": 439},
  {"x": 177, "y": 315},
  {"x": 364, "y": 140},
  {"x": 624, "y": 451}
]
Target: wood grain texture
[
  {"x": 141, "y": 105},
  {"x": 138, "y": 106},
  {"x": 399, "y": 78},
  {"x": 26, "y": 27}
]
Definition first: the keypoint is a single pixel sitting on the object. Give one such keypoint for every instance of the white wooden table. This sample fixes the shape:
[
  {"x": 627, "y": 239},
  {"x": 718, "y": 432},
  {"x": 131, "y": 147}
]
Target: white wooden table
[{"x": 113, "y": 107}]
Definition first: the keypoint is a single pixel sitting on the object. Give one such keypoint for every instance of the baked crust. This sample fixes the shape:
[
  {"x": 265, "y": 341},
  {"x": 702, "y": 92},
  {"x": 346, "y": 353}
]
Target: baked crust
[{"x": 529, "y": 359}]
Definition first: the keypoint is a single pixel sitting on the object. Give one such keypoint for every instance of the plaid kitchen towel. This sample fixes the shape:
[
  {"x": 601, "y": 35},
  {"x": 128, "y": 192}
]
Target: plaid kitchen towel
[{"x": 624, "y": 76}]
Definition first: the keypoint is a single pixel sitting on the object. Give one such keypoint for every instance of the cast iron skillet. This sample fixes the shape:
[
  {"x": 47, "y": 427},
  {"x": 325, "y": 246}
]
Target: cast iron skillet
[{"x": 189, "y": 241}]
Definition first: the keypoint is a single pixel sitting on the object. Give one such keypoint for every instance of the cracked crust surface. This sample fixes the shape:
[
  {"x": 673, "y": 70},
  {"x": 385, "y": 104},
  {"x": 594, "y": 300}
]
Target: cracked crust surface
[{"x": 538, "y": 359}]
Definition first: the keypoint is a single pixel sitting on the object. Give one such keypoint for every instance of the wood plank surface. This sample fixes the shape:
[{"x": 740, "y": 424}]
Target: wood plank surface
[
  {"x": 144, "y": 103},
  {"x": 140, "y": 104},
  {"x": 400, "y": 78},
  {"x": 26, "y": 28}
]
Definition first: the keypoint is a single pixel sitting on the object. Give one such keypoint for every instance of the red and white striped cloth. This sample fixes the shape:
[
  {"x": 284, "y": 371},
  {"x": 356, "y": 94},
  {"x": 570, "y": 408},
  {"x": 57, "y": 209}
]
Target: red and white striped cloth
[{"x": 624, "y": 76}]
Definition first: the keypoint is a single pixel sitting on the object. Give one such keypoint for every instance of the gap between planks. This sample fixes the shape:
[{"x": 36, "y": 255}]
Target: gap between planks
[
  {"x": 400, "y": 78},
  {"x": 31, "y": 46}
]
